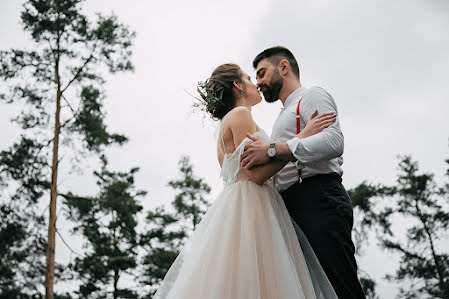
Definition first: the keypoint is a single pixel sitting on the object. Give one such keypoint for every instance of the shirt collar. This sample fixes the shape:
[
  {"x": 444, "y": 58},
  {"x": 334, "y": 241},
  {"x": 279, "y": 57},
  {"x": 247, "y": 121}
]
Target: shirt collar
[{"x": 294, "y": 95}]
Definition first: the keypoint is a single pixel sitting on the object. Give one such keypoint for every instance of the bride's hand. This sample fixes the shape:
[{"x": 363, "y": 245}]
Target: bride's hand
[{"x": 317, "y": 123}]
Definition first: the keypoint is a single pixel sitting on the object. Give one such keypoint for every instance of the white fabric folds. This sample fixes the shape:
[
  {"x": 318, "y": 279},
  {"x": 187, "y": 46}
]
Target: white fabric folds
[{"x": 246, "y": 247}]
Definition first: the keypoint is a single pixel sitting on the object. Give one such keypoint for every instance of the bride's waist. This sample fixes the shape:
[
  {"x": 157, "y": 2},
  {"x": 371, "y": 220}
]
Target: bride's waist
[{"x": 243, "y": 177}]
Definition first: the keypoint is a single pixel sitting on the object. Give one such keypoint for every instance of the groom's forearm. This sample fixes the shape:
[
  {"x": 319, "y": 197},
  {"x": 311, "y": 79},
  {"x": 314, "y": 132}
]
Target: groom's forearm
[
  {"x": 327, "y": 145},
  {"x": 283, "y": 153},
  {"x": 323, "y": 146}
]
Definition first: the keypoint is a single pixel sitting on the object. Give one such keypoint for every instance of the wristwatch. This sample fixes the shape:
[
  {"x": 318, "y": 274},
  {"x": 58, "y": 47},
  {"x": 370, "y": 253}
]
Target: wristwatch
[{"x": 272, "y": 151}]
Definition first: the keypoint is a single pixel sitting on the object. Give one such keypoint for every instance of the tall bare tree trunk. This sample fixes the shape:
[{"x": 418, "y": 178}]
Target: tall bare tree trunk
[
  {"x": 116, "y": 271},
  {"x": 50, "y": 268}
]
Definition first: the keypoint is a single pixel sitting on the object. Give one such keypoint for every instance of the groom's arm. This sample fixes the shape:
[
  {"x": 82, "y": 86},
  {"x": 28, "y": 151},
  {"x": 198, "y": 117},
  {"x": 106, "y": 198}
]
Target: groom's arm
[
  {"x": 326, "y": 145},
  {"x": 322, "y": 146}
]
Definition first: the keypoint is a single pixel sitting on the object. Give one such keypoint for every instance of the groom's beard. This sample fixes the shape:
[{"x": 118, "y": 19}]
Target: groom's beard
[{"x": 271, "y": 92}]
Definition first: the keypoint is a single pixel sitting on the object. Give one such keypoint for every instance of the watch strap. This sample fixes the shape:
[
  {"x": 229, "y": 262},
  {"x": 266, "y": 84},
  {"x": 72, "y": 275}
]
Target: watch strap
[{"x": 272, "y": 145}]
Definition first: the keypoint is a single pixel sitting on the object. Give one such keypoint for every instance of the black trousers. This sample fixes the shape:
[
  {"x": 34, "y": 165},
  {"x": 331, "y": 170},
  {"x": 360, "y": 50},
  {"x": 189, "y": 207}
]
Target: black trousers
[{"x": 322, "y": 208}]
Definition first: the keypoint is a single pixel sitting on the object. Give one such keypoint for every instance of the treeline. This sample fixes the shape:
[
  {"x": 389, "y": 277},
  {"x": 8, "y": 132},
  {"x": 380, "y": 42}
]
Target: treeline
[
  {"x": 114, "y": 253},
  {"x": 411, "y": 220}
]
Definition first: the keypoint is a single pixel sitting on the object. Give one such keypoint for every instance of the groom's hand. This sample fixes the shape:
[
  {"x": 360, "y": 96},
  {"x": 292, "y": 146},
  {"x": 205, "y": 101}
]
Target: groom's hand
[{"x": 255, "y": 153}]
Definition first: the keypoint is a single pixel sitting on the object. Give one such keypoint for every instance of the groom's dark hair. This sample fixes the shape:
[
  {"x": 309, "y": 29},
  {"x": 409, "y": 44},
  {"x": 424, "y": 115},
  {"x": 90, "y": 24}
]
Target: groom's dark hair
[{"x": 275, "y": 55}]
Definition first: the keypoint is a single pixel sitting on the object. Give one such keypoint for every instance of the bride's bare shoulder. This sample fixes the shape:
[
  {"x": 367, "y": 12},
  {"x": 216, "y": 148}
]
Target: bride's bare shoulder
[
  {"x": 240, "y": 120},
  {"x": 239, "y": 114}
]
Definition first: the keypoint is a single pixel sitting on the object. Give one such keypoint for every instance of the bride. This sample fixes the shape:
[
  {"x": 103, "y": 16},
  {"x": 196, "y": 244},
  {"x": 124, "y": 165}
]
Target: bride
[{"x": 246, "y": 246}]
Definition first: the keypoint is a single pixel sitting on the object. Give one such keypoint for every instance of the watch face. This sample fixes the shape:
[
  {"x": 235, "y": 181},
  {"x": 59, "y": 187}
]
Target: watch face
[{"x": 271, "y": 152}]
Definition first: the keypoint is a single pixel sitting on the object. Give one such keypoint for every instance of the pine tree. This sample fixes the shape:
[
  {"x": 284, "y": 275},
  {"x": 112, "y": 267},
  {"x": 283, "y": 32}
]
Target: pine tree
[
  {"x": 423, "y": 209},
  {"x": 22, "y": 252},
  {"x": 167, "y": 231},
  {"x": 22, "y": 248},
  {"x": 108, "y": 224},
  {"x": 59, "y": 87},
  {"x": 362, "y": 224},
  {"x": 190, "y": 203},
  {"x": 162, "y": 242}
]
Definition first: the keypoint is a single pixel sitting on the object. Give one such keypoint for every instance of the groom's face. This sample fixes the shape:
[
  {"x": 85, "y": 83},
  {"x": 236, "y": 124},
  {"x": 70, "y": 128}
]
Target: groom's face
[{"x": 269, "y": 81}]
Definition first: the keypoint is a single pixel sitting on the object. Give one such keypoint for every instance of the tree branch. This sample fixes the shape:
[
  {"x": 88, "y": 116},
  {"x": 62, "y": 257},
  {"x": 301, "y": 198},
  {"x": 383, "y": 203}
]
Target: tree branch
[
  {"x": 68, "y": 104},
  {"x": 67, "y": 245},
  {"x": 69, "y": 196},
  {"x": 390, "y": 245},
  {"x": 66, "y": 122},
  {"x": 432, "y": 247},
  {"x": 71, "y": 108},
  {"x": 80, "y": 69}
]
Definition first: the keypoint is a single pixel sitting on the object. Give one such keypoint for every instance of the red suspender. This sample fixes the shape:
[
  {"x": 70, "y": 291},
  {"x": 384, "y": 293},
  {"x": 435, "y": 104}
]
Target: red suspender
[
  {"x": 298, "y": 129},
  {"x": 298, "y": 123}
]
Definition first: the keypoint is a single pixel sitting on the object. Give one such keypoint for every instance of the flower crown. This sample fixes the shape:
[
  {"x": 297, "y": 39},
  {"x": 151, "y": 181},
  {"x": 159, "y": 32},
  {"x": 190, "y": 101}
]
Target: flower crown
[{"x": 211, "y": 96}]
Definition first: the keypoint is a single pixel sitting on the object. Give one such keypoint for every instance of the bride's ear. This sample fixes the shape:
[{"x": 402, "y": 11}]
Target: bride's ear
[{"x": 238, "y": 86}]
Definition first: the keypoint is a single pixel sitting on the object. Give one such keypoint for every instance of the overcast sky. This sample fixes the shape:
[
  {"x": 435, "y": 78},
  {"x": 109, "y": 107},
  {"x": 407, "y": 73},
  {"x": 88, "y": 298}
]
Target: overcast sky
[{"x": 386, "y": 63}]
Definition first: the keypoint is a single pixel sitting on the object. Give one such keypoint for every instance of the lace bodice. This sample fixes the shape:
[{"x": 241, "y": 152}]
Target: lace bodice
[{"x": 231, "y": 169}]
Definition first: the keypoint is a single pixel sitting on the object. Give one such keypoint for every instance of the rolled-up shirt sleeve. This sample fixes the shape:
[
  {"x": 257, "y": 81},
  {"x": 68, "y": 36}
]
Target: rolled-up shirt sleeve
[{"x": 327, "y": 144}]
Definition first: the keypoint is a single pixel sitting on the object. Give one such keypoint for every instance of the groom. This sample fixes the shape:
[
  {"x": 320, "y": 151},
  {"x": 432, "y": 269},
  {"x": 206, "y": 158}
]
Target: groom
[{"x": 310, "y": 183}]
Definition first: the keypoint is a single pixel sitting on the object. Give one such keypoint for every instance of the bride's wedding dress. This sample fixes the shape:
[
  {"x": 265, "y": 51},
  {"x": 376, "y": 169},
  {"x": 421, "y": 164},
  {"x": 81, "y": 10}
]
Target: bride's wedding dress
[{"x": 246, "y": 247}]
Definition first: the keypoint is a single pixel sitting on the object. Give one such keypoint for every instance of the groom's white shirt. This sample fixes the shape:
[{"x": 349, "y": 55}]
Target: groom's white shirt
[{"x": 317, "y": 154}]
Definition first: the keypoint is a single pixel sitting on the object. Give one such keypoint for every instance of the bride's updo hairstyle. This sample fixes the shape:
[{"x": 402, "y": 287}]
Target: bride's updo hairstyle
[{"x": 217, "y": 95}]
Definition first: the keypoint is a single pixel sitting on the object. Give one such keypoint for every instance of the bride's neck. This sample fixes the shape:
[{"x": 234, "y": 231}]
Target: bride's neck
[{"x": 242, "y": 103}]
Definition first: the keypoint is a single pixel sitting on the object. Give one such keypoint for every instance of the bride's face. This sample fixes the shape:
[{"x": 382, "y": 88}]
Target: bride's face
[{"x": 253, "y": 96}]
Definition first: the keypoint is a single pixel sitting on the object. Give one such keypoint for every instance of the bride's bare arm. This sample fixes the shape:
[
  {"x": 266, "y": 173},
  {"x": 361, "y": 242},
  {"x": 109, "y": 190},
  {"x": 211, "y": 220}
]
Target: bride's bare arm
[
  {"x": 240, "y": 122},
  {"x": 260, "y": 173}
]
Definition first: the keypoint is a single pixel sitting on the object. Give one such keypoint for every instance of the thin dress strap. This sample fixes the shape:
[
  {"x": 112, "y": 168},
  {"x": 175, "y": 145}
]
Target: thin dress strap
[{"x": 222, "y": 140}]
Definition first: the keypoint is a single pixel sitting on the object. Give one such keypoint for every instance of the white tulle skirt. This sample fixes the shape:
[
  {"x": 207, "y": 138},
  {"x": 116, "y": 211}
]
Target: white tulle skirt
[{"x": 246, "y": 247}]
